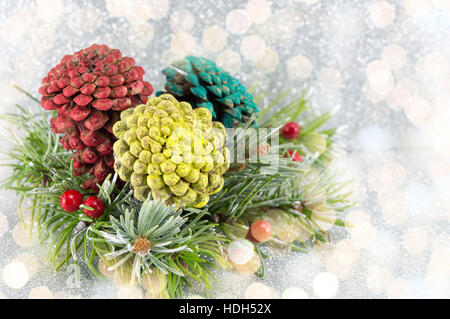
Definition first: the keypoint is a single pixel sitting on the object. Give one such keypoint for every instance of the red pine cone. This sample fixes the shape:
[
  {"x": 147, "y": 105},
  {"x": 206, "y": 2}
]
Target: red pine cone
[{"x": 89, "y": 89}]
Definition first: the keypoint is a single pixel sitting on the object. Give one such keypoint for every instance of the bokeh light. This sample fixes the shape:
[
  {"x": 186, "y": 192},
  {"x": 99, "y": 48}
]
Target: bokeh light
[
  {"x": 268, "y": 62},
  {"x": 418, "y": 8},
  {"x": 331, "y": 77},
  {"x": 325, "y": 285},
  {"x": 240, "y": 251},
  {"x": 182, "y": 20},
  {"x": 363, "y": 234},
  {"x": 415, "y": 239},
  {"x": 299, "y": 67},
  {"x": 258, "y": 10},
  {"x": 117, "y": 8},
  {"x": 229, "y": 60},
  {"x": 15, "y": 275},
  {"x": 21, "y": 235},
  {"x": 394, "y": 56},
  {"x": 435, "y": 64},
  {"x": 294, "y": 293},
  {"x": 237, "y": 21},
  {"x": 377, "y": 278},
  {"x": 49, "y": 10},
  {"x": 40, "y": 292},
  {"x": 158, "y": 8},
  {"x": 379, "y": 77},
  {"x": 399, "y": 288},
  {"x": 141, "y": 33},
  {"x": 260, "y": 291},
  {"x": 81, "y": 20},
  {"x": 382, "y": 14},
  {"x": 253, "y": 47},
  {"x": 14, "y": 27},
  {"x": 126, "y": 292},
  {"x": 183, "y": 43},
  {"x": 214, "y": 38},
  {"x": 30, "y": 261},
  {"x": 418, "y": 110}
]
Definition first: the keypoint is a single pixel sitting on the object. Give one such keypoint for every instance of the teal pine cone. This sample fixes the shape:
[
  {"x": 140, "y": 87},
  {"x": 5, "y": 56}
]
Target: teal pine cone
[{"x": 202, "y": 83}]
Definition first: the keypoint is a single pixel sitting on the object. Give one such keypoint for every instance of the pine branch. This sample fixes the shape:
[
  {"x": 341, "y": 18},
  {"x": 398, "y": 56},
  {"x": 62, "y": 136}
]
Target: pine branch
[
  {"x": 185, "y": 245},
  {"x": 42, "y": 171},
  {"x": 312, "y": 140},
  {"x": 178, "y": 246},
  {"x": 288, "y": 192}
]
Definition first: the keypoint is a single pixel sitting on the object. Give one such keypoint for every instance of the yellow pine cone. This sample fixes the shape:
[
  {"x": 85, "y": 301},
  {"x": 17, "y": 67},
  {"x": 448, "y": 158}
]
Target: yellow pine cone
[{"x": 168, "y": 149}]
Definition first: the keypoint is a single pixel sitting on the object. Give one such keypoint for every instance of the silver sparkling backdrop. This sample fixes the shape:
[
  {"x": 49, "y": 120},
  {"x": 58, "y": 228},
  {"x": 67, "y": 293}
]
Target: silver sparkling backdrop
[{"x": 382, "y": 66}]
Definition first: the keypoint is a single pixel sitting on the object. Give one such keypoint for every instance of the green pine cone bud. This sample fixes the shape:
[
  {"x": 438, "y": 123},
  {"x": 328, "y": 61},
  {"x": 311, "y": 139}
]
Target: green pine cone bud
[{"x": 168, "y": 150}]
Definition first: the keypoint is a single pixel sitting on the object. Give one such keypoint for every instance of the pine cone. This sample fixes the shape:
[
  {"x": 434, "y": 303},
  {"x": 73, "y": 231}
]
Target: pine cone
[
  {"x": 89, "y": 89},
  {"x": 202, "y": 83},
  {"x": 176, "y": 153}
]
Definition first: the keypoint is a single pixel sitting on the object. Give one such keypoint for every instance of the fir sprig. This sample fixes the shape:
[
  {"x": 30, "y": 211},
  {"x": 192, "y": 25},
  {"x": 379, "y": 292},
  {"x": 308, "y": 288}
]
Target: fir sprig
[
  {"x": 313, "y": 140},
  {"x": 304, "y": 197},
  {"x": 42, "y": 171},
  {"x": 183, "y": 245},
  {"x": 304, "y": 209},
  {"x": 158, "y": 236}
]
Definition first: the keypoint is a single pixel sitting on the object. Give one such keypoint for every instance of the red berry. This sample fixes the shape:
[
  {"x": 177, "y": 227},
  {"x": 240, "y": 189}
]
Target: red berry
[
  {"x": 96, "y": 204},
  {"x": 71, "y": 200},
  {"x": 290, "y": 130},
  {"x": 293, "y": 155},
  {"x": 261, "y": 231}
]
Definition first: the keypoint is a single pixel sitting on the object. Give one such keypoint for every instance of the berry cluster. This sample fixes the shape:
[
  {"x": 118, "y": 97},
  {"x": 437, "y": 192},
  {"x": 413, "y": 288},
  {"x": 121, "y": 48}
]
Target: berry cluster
[
  {"x": 72, "y": 200},
  {"x": 290, "y": 131}
]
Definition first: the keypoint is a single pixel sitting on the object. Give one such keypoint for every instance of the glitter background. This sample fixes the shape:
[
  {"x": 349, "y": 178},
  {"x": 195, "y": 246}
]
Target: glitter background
[{"x": 382, "y": 66}]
